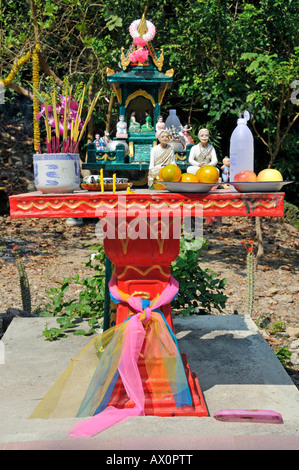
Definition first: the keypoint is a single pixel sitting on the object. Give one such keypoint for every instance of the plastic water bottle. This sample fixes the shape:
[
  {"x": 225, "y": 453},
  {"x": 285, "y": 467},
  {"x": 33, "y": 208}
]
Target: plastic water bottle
[
  {"x": 241, "y": 151},
  {"x": 173, "y": 120}
]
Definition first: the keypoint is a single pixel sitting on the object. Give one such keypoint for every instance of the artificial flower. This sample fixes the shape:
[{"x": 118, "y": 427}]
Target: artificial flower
[
  {"x": 140, "y": 55},
  {"x": 139, "y": 42}
]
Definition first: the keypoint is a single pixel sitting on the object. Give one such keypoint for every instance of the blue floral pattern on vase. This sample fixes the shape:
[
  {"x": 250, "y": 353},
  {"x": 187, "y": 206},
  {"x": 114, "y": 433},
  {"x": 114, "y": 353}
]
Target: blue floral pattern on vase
[{"x": 57, "y": 173}]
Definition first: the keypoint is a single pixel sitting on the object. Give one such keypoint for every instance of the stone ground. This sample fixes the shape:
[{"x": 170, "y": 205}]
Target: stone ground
[{"x": 52, "y": 250}]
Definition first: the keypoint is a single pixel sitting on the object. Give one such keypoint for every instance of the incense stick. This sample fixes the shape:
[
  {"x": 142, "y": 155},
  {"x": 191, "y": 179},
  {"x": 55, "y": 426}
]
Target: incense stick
[
  {"x": 48, "y": 129},
  {"x": 55, "y": 114},
  {"x": 65, "y": 120},
  {"x": 55, "y": 146},
  {"x": 78, "y": 117},
  {"x": 87, "y": 119},
  {"x": 70, "y": 143}
]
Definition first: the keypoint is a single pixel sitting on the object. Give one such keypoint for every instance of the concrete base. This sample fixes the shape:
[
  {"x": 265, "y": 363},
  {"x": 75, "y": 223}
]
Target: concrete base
[{"x": 234, "y": 364}]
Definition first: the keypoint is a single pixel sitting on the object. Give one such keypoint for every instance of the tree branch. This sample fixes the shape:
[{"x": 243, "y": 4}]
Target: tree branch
[
  {"x": 48, "y": 70},
  {"x": 19, "y": 89},
  {"x": 42, "y": 61}
]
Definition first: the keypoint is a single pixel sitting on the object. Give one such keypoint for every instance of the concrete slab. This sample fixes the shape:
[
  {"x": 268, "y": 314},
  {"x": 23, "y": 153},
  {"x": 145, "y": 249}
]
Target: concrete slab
[{"x": 234, "y": 364}]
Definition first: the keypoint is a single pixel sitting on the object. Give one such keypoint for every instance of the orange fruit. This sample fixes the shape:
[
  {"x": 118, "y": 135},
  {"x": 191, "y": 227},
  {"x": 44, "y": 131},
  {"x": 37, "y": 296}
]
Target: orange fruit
[
  {"x": 207, "y": 174},
  {"x": 158, "y": 185},
  {"x": 170, "y": 173},
  {"x": 189, "y": 178}
]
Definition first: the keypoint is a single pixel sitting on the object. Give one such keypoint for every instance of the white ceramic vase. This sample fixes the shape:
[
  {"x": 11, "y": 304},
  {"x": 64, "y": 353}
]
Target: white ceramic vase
[{"x": 56, "y": 172}]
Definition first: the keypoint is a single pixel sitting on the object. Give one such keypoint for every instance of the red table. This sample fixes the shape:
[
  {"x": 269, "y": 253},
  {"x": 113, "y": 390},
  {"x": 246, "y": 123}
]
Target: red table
[{"x": 142, "y": 240}]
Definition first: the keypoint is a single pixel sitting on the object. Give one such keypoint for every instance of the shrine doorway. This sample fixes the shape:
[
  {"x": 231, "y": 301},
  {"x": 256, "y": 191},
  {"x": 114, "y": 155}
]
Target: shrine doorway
[{"x": 140, "y": 105}]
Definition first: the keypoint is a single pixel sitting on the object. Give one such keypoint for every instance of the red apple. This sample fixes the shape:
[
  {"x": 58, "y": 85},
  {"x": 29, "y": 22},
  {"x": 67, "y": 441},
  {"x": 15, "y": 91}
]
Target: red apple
[{"x": 245, "y": 176}]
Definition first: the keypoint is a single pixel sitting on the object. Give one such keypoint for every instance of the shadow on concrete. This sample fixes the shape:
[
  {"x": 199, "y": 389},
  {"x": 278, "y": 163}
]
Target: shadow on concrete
[{"x": 228, "y": 350}]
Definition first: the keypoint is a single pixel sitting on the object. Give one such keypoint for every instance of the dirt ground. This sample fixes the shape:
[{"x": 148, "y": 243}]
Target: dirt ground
[{"x": 52, "y": 250}]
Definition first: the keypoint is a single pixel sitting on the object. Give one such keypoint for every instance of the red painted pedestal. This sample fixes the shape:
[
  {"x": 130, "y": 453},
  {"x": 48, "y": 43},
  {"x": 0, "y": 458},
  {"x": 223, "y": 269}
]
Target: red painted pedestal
[{"x": 142, "y": 241}]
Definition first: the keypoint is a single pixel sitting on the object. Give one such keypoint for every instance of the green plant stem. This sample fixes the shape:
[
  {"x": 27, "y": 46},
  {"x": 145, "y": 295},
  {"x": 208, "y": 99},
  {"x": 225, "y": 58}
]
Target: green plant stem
[
  {"x": 250, "y": 281},
  {"x": 24, "y": 285}
]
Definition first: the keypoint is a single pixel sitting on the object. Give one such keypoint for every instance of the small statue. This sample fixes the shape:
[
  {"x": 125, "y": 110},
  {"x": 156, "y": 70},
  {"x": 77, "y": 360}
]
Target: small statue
[
  {"x": 106, "y": 138},
  {"x": 161, "y": 155},
  {"x": 147, "y": 127},
  {"x": 202, "y": 154},
  {"x": 121, "y": 128},
  {"x": 225, "y": 169},
  {"x": 100, "y": 144},
  {"x": 160, "y": 125},
  {"x": 185, "y": 137},
  {"x": 174, "y": 133},
  {"x": 134, "y": 125}
]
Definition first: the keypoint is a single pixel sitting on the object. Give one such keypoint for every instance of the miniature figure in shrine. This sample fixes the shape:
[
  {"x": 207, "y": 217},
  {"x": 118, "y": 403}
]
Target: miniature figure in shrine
[
  {"x": 134, "y": 125},
  {"x": 186, "y": 138},
  {"x": 225, "y": 169},
  {"x": 202, "y": 154},
  {"x": 121, "y": 128},
  {"x": 147, "y": 127},
  {"x": 174, "y": 134},
  {"x": 106, "y": 138},
  {"x": 161, "y": 155},
  {"x": 160, "y": 125},
  {"x": 99, "y": 142}
]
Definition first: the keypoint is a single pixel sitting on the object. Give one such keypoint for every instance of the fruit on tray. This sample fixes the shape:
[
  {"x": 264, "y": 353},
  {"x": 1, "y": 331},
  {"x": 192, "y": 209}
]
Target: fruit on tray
[
  {"x": 170, "y": 173},
  {"x": 189, "y": 178},
  {"x": 207, "y": 174},
  {"x": 158, "y": 185},
  {"x": 269, "y": 174},
  {"x": 245, "y": 176}
]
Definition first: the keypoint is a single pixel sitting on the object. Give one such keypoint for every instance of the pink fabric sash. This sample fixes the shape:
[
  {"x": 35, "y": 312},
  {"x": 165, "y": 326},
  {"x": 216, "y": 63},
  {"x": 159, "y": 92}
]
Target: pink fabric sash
[{"x": 128, "y": 369}]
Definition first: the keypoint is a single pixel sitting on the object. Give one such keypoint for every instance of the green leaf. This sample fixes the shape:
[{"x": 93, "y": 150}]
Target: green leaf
[{"x": 79, "y": 332}]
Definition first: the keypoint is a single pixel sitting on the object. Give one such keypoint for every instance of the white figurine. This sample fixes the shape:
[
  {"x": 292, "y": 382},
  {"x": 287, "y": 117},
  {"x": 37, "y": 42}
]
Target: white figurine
[
  {"x": 202, "y": 154},
  {"x": 161, "y": 155},
  {"x": 225, "y": 169},
  {"x": 160, "y": 125},
  {"x": 121, "y": 128}
]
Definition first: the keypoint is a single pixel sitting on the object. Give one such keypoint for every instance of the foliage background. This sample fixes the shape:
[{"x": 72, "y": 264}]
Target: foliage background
[{"x": 228, "y": 56}]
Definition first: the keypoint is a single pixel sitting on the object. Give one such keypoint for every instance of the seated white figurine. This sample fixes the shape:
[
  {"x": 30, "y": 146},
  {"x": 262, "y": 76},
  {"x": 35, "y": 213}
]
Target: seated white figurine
[
  {"x": 121, "y": 128},
  {"x": 160, "y": 125},
  {"x": 161, "y": 155},
  {"x": 202, "y": 154}
]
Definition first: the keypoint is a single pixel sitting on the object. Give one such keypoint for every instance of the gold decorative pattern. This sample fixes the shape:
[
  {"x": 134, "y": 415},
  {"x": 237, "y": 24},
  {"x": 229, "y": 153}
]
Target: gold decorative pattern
[
  {"x": 118, "y": 93},
  {"x": 178, "y": 157},
  {"x": 131, "y": 149},
  {"x": 143, "y": 273},
  {"x": 144, "y": 295},
  {"x": 158, "y": 61},
  {"x": 124, "y": 58},
  {"x": 116, "y": 89},
  {"x": 206, "y": 205},
  {"x": 162, "y": 91},
  {"x": 140, "y": 93},
  {"x": 169, "y": 72},
  {"x": 106, "y": 157}
]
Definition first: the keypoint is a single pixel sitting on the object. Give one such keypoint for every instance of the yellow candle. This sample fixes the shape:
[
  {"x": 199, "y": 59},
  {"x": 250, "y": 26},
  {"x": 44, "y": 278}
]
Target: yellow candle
[
  {"x": 102, "y": 180},
  {"x": 114, "y": 186}
]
